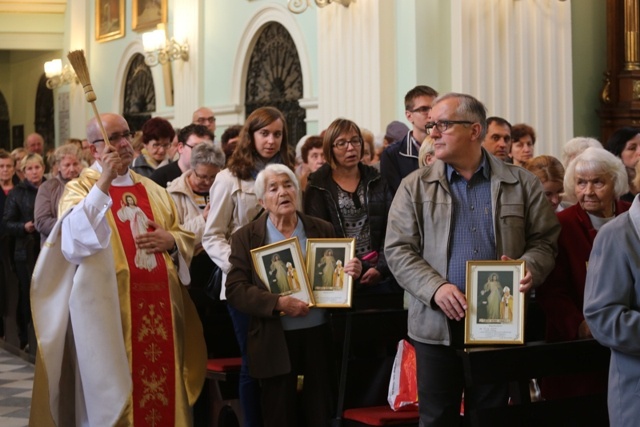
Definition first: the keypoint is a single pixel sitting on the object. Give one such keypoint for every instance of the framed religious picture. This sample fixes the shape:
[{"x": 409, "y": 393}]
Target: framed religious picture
[
  {"x": 109, "y": 19},
  {"x": 281, "y": 267},
  {"x": 326, "y": 259},
  {"x": 495, "y": 313},
  {"x": 147, "y": 14}
]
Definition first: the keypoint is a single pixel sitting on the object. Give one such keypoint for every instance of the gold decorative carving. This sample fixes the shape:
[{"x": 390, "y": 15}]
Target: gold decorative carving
[
  {"x": 631, "y": 35},
  {"x": 636, "y": 90},
  {"x": 605, "y": 96}
]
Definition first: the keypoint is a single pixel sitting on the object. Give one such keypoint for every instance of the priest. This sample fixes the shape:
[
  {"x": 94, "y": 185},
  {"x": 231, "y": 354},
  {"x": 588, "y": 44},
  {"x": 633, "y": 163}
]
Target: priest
[{"x": 119, "y": 340}]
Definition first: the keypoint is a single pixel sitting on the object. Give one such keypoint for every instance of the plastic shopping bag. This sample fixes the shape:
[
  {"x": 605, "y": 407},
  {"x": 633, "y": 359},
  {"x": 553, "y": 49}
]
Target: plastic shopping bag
[{"x": 403, "y": 387}]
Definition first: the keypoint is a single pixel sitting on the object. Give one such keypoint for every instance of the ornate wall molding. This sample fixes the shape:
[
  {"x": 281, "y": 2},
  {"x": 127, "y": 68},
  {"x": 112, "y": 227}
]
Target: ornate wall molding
[{"x": 269, "y": 13}]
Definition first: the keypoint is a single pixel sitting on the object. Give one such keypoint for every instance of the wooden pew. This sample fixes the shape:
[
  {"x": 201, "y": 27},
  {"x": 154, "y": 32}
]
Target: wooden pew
[{"x": 483, "y": 365}]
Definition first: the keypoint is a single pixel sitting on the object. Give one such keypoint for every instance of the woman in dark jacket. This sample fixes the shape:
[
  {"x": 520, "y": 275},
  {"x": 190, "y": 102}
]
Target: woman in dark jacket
[
  {"x": 354, "y": 198},
  {"x": 19, "y": 222}
]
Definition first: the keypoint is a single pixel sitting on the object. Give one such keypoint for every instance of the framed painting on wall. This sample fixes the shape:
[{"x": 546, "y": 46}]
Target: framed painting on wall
[
  {"x": 109, "y": 19},
  {"x": 147, "y": 14}
]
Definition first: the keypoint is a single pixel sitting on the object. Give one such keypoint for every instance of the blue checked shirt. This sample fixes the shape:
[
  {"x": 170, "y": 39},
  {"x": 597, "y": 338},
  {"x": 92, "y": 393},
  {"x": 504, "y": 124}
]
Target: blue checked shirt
[{"x": 472, "y": 235}]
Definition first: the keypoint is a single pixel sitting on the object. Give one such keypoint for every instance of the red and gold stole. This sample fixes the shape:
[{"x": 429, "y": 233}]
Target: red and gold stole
[{"x": 151, "y": 319}]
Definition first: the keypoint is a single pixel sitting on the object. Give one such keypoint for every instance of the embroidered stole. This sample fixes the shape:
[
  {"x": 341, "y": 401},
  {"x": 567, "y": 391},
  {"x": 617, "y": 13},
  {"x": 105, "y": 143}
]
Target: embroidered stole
[{"x": 152, "y": 345}]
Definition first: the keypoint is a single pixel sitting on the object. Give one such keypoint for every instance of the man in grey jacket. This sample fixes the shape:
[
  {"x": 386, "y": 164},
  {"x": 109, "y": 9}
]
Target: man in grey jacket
[{"x": 468, "y": 205}]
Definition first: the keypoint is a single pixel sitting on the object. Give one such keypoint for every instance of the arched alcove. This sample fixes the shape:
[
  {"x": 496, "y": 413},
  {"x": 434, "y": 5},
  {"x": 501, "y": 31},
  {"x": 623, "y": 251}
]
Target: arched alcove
[
  {"x": 139, "y": 99},
  {"x": 274, "y": 78},
  {"x": 5, "y": 133},
  {"x": 44, "y": 113}
]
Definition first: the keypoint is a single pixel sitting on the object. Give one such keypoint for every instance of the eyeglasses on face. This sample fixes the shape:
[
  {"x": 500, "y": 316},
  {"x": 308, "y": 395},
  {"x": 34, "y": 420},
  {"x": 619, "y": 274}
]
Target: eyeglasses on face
[
  {"x": 114, "y": 138},
  {"x": 158, "y": 145},
  {"x": 341, "y": 144},
  {"x": 203, "y": 120},
  {"x": 443, "y": 125},
  {"x": 421, "y": 110},
  {"x": 204, "y": 178}
]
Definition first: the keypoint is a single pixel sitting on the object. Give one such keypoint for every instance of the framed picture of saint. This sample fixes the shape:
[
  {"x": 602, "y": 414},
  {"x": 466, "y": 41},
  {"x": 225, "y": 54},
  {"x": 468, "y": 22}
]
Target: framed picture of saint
[
  {"x": 281, "y": 268},
  {"x": 495, "y": 313},
  {"x": 326, "y": 259}
]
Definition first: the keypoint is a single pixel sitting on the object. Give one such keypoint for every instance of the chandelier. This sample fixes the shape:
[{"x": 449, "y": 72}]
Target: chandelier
[{"x": 299, "y": 6}]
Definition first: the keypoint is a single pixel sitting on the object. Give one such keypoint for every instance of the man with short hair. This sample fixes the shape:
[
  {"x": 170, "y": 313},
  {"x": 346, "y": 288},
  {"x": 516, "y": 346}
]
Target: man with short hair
[
  {"x": 188, "y": 138},
  {"x": 119, "y": 340},
  {"x": 34, "y": 143},
  {"x": 401, "y": 158},
  {"x": 229, "y": 140},
  {"x": 204, "y": 116},
  {"x": 498, "y": 138},
  {"x": 466, "y": 206}
]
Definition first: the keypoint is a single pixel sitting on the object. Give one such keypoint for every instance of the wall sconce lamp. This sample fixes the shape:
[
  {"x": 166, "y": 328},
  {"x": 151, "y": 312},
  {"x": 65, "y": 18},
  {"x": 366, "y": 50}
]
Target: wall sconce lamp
[
  {"x": 57, "y": 75},
  {"x": 159, "y": 50},
  {"x": 299, "y": 6}
]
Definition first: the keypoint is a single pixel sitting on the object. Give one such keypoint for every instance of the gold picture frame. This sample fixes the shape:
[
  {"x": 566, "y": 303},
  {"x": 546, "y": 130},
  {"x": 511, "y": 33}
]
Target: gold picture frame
[
  {"x": 109, "y": 19},
  {"x": 281, "y": 268},
  {"x": 148, "y": 14},
  {"x": 326, "y": 259},
  {"x": 495, "y": 313}
]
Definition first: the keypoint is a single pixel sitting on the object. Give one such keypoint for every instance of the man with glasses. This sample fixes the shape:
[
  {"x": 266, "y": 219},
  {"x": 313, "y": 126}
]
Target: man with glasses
[
  {"x": 401, "y": 158},
  {"x": 204, "y": 116},
  {"x": 188, "y": 138},
  {"x": 497, "y": 141},
  {"x": 125, "y": 330},
  {"x": 467, "y": 206}
]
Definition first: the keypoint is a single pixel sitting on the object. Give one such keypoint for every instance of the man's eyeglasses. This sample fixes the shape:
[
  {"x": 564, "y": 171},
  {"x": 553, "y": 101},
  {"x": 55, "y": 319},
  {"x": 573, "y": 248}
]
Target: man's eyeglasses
[
  {"x": 443, "y": 125},
  {"x": 203, "y": 120},
  {"x": 421, "y": 110},
  {"x": 114, "y": 138},
  {"x": 341, "y": 144}
]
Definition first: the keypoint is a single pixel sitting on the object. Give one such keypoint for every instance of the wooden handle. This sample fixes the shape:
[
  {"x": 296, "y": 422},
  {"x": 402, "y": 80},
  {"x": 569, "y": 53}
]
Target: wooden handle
[{"x": 102, "y": 129}]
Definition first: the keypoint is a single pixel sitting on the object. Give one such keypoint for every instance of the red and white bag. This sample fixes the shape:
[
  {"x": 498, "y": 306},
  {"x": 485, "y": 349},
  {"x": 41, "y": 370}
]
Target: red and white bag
[{"x": 403, "y": 387}]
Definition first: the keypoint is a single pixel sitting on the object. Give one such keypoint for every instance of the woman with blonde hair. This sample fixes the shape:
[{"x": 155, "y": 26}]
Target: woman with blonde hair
[
  {"x": 551, "y": 174},
  {"x": 19, "y": 222}
]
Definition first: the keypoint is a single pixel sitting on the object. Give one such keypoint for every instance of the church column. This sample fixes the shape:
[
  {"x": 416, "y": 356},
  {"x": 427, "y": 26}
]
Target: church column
[
  {"x": 188, "y": 87},
  {"x": 355, "y": 63}
]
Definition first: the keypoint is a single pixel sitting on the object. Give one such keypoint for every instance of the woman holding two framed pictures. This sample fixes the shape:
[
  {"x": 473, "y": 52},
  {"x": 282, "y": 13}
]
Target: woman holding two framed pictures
[{"x": 281, "y": 347}]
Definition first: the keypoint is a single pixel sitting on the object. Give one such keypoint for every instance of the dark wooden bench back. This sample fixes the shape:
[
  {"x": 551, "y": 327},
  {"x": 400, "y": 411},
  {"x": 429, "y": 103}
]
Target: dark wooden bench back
[{"x": 495, "y": 365}]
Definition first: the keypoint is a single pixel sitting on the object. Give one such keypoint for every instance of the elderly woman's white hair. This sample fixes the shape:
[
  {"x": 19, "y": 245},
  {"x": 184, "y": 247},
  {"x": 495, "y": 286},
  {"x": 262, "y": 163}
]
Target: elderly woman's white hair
[
  {"x": 597, "y": 161},
  {"x": 575, "y": 146},
  {"x": 273, "y": 169}
]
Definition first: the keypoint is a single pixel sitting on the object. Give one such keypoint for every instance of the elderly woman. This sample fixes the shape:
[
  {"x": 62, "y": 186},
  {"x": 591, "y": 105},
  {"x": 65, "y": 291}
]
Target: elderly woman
[
  {"x": 551, "y": 174},
  {"x": 598, "y": 179},
  {"x": 19, "y": 222},
  {"x": 67, "y": 157},
  {"x": 282, "y": 347},
  {"x": 625, "y": 143},
  {"x": 157, "y": 134},
  {"x": 263, "y": 141},
  {"x": 354, "y": 198},
  {"x": 612, "y": 308},
  {"x": 523, "y": 138}
]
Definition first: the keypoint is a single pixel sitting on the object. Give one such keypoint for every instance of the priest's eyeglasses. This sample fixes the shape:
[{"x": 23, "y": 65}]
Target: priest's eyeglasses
[{"x": 114, "y": 138}]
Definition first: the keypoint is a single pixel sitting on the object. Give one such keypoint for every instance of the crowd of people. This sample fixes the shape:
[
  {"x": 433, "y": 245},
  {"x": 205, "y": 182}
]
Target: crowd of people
[{"x": 133, "y": 246}]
